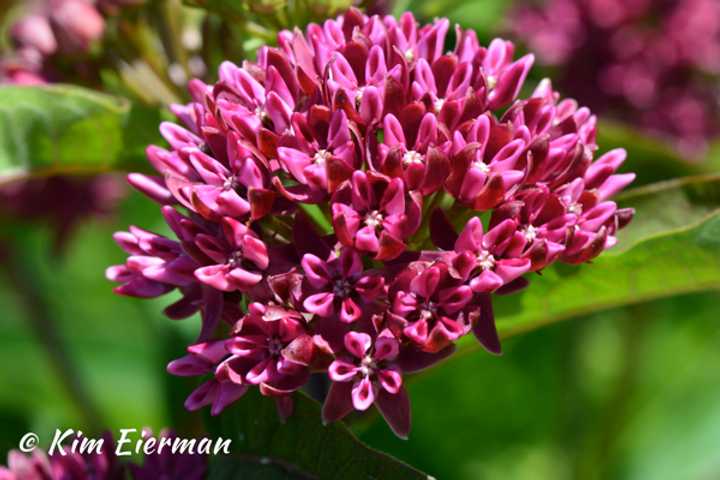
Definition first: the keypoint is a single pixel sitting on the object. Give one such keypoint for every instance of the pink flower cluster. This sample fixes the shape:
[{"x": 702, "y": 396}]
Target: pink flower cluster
[
  {"x": 51, "y": 29},
  {"x": 655, "y": 62},
  {"x": 62, "y": 203},
  {"x": 104, "y": 464},
  {"x": 327, "y": 203}
]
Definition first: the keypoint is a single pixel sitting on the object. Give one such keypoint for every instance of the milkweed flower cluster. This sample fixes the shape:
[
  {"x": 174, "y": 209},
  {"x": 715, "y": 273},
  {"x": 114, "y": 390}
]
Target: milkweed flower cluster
[
  {"x": 104, "y": 464},
  {"x": 652, "y": 61},
  {"x": 62, "y": 203},
  {"x": 50, "y": 29},
  {"x": 327, "y": 200}
]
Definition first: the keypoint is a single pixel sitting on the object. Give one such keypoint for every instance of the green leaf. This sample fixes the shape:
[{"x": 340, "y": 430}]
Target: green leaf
[
  {"x": 671, "y": 247},
  {"x": 485, "y": 17},
  {"x": 652, "y": 159},
  {"x": 666, "y": 206},
  {"x": 300, "y": 448},
  {"x": 70, "y": 130}
]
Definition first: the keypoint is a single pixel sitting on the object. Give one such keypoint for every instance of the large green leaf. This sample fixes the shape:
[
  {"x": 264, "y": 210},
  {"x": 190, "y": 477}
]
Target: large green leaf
[
  {"x": 671, "y": 247},
  {"x": 650, "y": 158},
  {"x": 64, "y": 129},
  {"x": 300, "y": 448}
]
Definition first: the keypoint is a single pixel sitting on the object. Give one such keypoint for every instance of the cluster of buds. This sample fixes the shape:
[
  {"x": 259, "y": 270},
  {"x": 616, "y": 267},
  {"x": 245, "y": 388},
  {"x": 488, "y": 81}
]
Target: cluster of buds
[
  {"x": 103, "y": 464},
  {"x": 654, "y": 62},
  {"x": 350, "y": 202}
]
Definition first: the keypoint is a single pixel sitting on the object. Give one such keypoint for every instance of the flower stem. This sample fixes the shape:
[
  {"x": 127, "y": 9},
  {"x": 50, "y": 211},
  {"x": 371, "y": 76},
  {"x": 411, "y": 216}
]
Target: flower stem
[{"x": 318, "y": 217}]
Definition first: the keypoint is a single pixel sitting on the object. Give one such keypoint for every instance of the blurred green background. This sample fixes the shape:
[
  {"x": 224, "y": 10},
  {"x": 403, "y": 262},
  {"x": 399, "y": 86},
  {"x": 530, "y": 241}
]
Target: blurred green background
[{"x": 629, "y": 393}]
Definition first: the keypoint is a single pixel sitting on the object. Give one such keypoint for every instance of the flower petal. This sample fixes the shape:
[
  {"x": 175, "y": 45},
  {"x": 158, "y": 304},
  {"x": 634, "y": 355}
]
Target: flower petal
[{"x": 363, "y": 394}]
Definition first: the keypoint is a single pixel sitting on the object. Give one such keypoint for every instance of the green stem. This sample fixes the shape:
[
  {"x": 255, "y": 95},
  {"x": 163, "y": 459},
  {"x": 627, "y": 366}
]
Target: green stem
[
  {"x": 318, "y": 217},
  {"x": 594, "y": 462},
  {"x": 422, "y": 236}
]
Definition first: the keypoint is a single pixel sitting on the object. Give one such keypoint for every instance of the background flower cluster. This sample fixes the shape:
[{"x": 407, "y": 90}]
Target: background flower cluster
[{"x": 651, "y": 63}]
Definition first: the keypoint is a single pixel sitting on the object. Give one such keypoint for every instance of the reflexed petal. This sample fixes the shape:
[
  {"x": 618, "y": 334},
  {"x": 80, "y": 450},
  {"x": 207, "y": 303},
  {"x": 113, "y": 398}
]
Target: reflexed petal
[
  {"x": 413, "y": 360},
  {"x": 395, "y": 409},
  {"x": 338, "y": 402},
  {"x": 188, "y": 366},
  {"x": 228, "y": 393},
  {"x": 204, "y": 395},
  {"x": 483, "y": 326},
  {"x": 300, "y": 350}
]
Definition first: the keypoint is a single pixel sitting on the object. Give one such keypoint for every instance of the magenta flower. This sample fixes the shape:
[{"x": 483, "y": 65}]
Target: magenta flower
[
  {"x": 485, "y": 170},
  {"x": 155, "y": 265},
  {"x": 270, "y": 351},
  {"x": 344, "y": 285},
  {"x": 315, "y": 196},
  {"x": 408, "y": 153},
  {"x": 372, "y": 213},
  {"x": 428, "y": 306},
  {"x": 105, "y": 465},
  {"x": 488, "y": 260},
  {"x": 68, "y": 466},
  {"x": 323, "y": 160},
  {"x": 168, "y": 465},
  {"x": 205, "y": 358},
  {"x": 239, "y": 254},
  {"x": 34, "y": 31},
  {"x": 77, "y": 22},
  {"x": 62, "y": 203},
  {"x": 366, "y": 375}
]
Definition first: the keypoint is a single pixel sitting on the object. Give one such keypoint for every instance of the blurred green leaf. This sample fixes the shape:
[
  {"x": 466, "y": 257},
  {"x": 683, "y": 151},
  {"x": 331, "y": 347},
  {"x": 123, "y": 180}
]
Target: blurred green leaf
[
  {"x": 302, "y": 447},
  {"x": 64, "y": 129},
  {"x": 672, "y": 247},
  {"x": 653, "y": 160},
  {"x": 229, "y": 8},
  {"x": 666, "y": 206},
  {"x": 262, "y": 17},
  {"x": 486, "y": 17}
]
